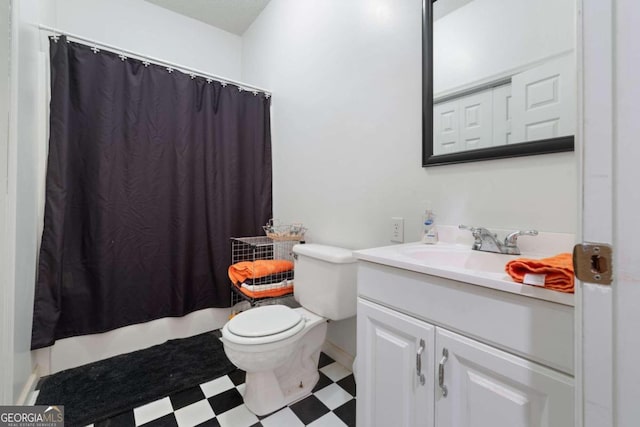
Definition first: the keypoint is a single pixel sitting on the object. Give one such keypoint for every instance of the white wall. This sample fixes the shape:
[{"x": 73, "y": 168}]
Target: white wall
[
  {"x": 486, "y": 38},
  {"x": 29, "y": 127},
  {"x": 346, "y": 120},
  {"x": 143, "y": 27},
  {"x": 7, "y": 214},
  {"x": 346, "y": 128}
]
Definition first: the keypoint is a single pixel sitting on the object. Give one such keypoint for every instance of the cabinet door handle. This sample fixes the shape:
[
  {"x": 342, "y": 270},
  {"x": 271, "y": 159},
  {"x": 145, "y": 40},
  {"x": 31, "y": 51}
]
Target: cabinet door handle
[
  {"x": 419, "y": 363},
  {"x": 445, "y": 356}
]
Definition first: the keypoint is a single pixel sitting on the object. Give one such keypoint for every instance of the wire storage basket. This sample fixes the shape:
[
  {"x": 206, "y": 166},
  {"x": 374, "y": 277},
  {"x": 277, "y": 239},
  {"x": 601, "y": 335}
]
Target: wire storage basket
[{"x": 262, "y": 269}]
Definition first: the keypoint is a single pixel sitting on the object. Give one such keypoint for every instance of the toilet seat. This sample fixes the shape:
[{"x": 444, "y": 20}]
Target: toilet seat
[{"x": 262, "y": 325}]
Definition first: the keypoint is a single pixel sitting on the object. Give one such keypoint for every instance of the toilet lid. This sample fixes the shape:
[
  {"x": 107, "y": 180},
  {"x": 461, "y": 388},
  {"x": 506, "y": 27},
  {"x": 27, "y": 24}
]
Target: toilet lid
[{"x": 264, "y": 321}]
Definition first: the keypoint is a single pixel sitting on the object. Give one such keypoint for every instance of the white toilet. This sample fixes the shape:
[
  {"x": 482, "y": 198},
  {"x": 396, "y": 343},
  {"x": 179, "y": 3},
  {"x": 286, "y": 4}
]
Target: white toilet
[{"x": 278, "y": 346}]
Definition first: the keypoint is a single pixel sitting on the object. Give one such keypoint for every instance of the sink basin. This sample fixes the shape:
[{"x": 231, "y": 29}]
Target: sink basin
[{"x": 457, "y": 257}]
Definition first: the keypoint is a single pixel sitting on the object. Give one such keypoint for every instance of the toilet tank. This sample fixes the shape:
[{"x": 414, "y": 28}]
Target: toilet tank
[{"x": 325, "y": 280}]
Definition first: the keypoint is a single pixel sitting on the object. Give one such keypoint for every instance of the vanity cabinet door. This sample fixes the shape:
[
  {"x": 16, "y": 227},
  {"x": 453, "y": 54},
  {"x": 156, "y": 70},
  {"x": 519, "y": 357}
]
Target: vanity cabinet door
[
  {"x": 391, "y": 349},
  {"x": 486, "y": 387}
]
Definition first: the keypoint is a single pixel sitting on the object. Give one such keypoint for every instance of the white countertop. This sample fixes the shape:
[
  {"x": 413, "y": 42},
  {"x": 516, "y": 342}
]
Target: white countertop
[{"x": 456, "y": 261}]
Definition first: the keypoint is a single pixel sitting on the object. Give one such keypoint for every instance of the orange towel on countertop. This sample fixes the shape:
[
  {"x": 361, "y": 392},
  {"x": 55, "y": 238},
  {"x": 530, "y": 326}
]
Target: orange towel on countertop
[
  {"x": 558, "y": 271},
  {"x": 240, "y": 271}
]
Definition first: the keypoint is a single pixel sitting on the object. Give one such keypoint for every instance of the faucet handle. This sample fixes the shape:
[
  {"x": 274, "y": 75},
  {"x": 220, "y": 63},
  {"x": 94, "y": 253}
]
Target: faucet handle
[
  {"x": 512, "y": 238},
  {"x": 477, "y": 231},
  {"x": 479, "y": 234},
  {"x": 474, "y": 231},
  {"x": 471, "y": 229}
]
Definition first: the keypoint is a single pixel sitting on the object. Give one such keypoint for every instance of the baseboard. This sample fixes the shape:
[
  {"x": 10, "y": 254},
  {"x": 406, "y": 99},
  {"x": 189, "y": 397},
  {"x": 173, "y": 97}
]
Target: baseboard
[
  {"x": 338, "y": 354},
  {"x": 29, "y": 386}
]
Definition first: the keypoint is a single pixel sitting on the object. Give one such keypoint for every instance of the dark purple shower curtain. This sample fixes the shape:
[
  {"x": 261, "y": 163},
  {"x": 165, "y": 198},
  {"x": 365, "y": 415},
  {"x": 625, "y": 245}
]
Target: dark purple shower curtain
[{"x": 150, "y": 173}]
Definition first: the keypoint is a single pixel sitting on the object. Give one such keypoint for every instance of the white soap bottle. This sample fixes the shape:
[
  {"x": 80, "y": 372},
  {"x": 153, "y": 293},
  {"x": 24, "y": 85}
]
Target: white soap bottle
[{"x": 429, "y": 231}]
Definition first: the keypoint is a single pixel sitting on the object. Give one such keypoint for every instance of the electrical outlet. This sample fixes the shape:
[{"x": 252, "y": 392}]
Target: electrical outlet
[{"x": 397, "y": 229}]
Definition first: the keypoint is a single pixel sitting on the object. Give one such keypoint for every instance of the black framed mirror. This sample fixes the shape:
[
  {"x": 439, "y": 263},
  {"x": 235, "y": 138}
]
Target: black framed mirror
[{"x": 458, "y": 101}]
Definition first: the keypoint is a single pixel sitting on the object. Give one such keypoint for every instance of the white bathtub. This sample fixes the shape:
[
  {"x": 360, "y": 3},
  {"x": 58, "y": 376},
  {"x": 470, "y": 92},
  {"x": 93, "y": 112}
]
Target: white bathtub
[{"x": 71, "y": 352}]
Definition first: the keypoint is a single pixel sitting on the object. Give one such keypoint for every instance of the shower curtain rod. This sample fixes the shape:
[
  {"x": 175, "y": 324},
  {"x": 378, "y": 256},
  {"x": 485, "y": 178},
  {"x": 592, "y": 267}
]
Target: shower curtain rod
[{"x": 157, "y": 61}]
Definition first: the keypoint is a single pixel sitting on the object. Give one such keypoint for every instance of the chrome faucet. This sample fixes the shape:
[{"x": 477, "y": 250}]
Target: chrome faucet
[{"x": 487, "y": 241}]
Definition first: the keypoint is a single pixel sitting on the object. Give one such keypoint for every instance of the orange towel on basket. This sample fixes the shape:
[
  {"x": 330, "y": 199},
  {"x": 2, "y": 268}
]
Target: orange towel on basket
[
  {"x": 558, "y": 271},
  {"x": 240, "y": 271},
  {"x": 270, "y": 293}
]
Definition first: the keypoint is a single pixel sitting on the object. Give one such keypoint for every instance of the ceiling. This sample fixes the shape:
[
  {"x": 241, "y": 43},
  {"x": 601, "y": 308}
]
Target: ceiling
[{"x": 234, "y": 16}]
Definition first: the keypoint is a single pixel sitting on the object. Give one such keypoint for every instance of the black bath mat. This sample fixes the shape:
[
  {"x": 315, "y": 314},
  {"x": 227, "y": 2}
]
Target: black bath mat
[{"x": 102, "y": 389}]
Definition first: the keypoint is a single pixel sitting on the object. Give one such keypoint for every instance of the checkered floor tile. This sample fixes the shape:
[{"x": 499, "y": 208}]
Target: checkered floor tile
[{"x": 219, "y": 402}]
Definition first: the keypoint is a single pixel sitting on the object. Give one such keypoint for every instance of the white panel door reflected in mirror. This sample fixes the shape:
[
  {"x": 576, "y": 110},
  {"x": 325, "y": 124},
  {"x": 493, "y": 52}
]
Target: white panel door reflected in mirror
[{"x": 504, "y": 73}]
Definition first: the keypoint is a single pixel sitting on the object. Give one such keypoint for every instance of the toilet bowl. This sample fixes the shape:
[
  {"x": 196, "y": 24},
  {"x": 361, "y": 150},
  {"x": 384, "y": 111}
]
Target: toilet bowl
[
  {"x": 281, "y": 367},
  {"x": 278, "y": 347}
]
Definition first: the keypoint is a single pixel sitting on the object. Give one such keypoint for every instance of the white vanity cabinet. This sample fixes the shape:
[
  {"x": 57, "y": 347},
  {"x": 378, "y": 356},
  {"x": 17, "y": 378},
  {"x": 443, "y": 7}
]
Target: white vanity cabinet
[{"x": 509, "y": 358}]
